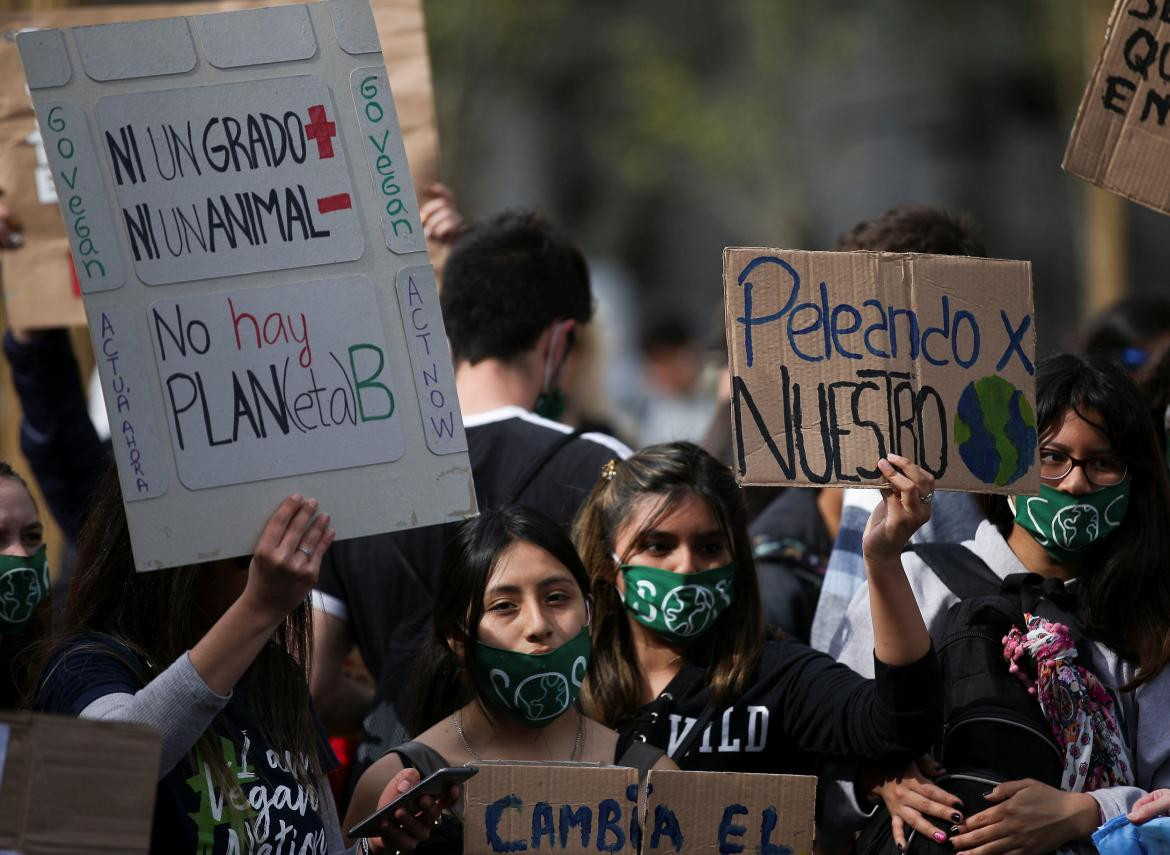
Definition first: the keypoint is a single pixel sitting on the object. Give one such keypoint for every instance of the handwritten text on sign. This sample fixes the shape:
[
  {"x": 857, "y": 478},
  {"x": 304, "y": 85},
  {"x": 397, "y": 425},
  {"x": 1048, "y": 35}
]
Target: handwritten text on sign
[
  {"x": 276, "y": 381},
  {"x": 841, "y": 358},
  {"x": 221, "y": 180},
  {"x": 579, "y": 809}
]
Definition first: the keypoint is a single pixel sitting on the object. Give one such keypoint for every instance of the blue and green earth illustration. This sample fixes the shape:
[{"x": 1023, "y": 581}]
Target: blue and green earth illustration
[{"x": 995, "y": 430}]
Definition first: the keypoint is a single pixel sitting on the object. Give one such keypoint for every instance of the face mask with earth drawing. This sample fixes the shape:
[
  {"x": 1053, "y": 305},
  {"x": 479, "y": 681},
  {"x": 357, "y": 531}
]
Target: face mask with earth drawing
[
  {"x": 24, "y": 583},
  {"x": 533, "y": 688},
  {"x": 679, "y": 607},
  {"x": 1065, "y": 524}
]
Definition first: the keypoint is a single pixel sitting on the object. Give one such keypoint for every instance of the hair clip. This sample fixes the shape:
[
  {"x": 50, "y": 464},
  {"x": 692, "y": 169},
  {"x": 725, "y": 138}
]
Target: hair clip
[{"x": 608, "y": 470}]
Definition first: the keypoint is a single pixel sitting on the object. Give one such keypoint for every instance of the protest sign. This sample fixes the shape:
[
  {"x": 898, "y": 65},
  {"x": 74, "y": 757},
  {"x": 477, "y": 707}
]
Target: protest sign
[
  {"x": 839, "y": 358},
  {"x": 40, "y": 287},
  {"x": 563, "y": 808},
  {"x": 577, "y": 808},
  {"x": 247, "y": 243},
  {"x": 71, "y": 785},
  {"x": 729, "y": 812},
  {"x": 1121, "y": 137}
]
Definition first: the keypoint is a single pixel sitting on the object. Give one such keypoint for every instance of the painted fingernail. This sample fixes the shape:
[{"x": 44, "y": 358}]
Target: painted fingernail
[
  {"x": 956, "y": 817},
  {"x": 955, "y": 829},
  {"x": 939, "y": 837},
  {"x": 987, "y": 795},
  {"x": 899, "y": 845}
]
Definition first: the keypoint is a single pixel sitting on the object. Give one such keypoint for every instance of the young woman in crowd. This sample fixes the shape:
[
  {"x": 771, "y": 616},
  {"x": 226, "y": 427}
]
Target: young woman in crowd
[
  {"x": 511, "y": 605},
  {"x": 212, "y": 656},
  {"x": 24, "y": 585},
  {"x": 680, "y": 654},
  {"x": 1097, "y": 449}
]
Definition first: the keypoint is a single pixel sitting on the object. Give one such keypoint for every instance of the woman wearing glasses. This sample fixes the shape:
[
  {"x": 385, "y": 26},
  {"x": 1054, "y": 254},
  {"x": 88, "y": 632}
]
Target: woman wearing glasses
[{"x": 1102, "y": 518}]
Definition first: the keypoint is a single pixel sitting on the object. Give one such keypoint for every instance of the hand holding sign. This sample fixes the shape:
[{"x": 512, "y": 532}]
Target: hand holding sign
[
  {"x": 287, "y": 559},
  {"x": 904, "y": 508}
]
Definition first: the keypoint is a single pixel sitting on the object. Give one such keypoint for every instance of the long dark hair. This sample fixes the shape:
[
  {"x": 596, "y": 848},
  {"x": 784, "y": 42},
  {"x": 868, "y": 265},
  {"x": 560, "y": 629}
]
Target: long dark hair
[
  {"x": 1125, "y": 591},
  {"x": 730, "y": 650},
  {"x": 442, "y": 685},
  {"x": 154, "y": 616}
]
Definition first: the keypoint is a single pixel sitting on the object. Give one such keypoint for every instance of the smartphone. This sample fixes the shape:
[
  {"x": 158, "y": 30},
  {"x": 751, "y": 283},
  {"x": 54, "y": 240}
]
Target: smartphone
[{"x": 433, "y": 785}]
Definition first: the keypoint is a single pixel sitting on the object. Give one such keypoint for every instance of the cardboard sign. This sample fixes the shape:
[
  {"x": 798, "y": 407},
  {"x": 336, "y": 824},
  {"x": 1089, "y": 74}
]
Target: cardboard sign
[
  {"x": 839, "y": 358},
  {"x": 563, "y": 808},
  {"x": 1121, "y": 138},
  {"x": 729, "y": 812},
  {"x": 70, "y": 785},
  {"x": 579, "y": 809},
  {"x": 245, "y": 231},
  {"x": 40, "y": 287}
]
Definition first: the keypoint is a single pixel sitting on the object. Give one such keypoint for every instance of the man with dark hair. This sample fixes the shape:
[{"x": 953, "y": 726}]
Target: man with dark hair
[{"x": 514, "y": 293}]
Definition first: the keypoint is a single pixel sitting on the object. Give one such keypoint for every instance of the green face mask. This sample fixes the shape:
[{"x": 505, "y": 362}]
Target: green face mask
[
  {"x": 550, "y": 405},
  {"x": 1065, "y": 524},
  {"x": 679, "y": 607},
  {"x": 24, "y": 583},
  {"x": 533, "y": 689}
]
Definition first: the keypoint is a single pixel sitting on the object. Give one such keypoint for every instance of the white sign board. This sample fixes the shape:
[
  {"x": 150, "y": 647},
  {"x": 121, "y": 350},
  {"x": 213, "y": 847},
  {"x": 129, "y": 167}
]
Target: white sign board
[{"x": 247, "y": 242}]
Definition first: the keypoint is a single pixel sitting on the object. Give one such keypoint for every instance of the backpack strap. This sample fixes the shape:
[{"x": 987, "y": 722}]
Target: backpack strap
[
  {"x": 539, "y": 463},
  {"x": 641, "y": 756},
  {"x": 964, "y": 573},
  {"x": 419, "y": 756}
]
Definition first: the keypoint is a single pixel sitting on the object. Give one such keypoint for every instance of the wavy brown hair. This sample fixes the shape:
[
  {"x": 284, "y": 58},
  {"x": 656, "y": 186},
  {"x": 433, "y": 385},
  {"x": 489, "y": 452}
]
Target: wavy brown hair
[
  {"x": 155, "y": 617},
  {"x": 730, "y": 649}
]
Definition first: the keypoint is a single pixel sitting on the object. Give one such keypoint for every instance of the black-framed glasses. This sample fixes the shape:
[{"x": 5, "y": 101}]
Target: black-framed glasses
[{"x": 1105, "y": 471}]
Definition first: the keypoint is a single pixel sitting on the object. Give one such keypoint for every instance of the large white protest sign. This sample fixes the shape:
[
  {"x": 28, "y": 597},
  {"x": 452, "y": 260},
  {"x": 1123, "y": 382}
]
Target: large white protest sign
[{"x": 247, "y": 242}]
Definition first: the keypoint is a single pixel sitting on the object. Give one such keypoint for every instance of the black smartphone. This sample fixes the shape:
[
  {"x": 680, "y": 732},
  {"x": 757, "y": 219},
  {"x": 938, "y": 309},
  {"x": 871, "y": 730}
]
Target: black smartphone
[{"x": 433, "y": 785}]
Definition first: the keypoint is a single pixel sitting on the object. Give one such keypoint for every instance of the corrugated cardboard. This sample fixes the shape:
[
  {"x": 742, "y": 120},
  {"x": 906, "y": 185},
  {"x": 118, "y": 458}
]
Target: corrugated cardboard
[
  {"x": 821, "y": 389},
  {"x": 509, "y": 808},
  {"x": 697, "y": 812},
  {"x": 38, "y": 282},
  {"x": 573, "y": 808},
  {"x": 68, "y": 785},
  {"x": 1121, "y": 138}
]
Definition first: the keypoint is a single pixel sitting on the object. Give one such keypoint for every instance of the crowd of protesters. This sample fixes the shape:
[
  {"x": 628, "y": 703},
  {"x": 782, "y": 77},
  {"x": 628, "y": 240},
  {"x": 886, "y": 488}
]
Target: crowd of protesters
[{"x": 847, "y": 634}]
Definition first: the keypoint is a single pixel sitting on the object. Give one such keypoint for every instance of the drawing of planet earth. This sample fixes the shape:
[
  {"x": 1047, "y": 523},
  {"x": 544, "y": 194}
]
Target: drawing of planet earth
[{"x": 995, "y": 431}]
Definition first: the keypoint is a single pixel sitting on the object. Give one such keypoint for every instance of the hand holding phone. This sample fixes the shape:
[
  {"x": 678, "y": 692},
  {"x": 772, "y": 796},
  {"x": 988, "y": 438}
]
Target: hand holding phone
[{"x": 435, "y": 785}]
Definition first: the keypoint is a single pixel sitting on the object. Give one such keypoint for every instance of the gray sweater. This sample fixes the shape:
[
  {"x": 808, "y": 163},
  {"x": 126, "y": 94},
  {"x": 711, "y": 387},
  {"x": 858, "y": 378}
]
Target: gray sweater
[
  {"x": 180, "y": 706},
  {"x": 1141, "y": 715}
]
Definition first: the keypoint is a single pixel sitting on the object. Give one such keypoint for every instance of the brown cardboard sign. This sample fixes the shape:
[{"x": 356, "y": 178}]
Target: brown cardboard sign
[
  {"x": 562, "y": 808},
  {"x": 698, "y": 812},
  {"x": 1121, "y": 138},
  {"x": 69, "y": 785},
  {"x": 839, "y": 358},
  {"x": 575, "y": 808},
  {"x": 40, "y": 286}
]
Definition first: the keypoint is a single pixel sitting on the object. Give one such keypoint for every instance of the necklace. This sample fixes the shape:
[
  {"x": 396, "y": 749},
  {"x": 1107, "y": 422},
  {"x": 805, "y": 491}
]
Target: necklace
[{"x": 457, "y": 720}]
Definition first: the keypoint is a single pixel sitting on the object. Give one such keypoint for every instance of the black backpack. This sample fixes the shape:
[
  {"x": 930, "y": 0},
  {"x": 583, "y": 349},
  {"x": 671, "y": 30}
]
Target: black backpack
[{"x": 993, "y": 730}]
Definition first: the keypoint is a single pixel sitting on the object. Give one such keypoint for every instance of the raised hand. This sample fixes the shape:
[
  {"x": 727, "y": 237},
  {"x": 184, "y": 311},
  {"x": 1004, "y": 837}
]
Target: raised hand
[
  {"x": 287, "y": 559},
  {"x": 904, "y": 508}
]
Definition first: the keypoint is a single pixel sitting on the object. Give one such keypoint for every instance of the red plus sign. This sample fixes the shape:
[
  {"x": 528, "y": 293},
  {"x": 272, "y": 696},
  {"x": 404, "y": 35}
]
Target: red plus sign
[{"x": 322, "y": 130}]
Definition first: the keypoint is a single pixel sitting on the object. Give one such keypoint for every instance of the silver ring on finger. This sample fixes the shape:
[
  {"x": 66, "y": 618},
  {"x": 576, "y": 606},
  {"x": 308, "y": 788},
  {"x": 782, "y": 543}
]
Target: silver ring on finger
[
  {"x": 305, "y": 550},
  {"x": 927, "y": 498}
]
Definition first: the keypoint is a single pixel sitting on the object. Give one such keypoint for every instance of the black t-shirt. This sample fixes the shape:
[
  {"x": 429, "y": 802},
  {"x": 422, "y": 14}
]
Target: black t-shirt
[
  {"x": 799, "y": 708},
  {"x": 192, "y": 814},
  {"x": 383, "y": 585}
]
